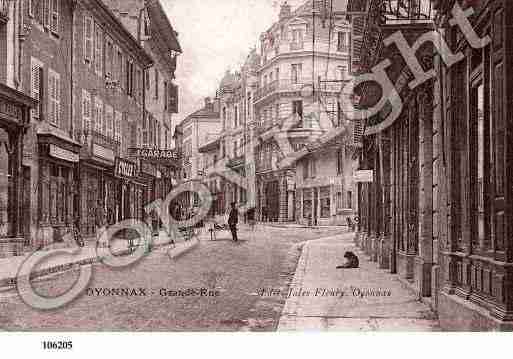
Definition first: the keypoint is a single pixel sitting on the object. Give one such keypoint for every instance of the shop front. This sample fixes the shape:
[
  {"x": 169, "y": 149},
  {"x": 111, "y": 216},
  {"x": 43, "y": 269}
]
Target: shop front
[
  {"x": 131, "y": 189},
  {"x": 99, "y": 198},
  {"x": 58, "y": 195},
  {"x": 14, "y": 119}
]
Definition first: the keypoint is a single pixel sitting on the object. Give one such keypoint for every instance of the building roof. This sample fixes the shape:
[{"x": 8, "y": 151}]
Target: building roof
[
  {"x": 117, "y": 27},
  {"x": 160, "y": 21}
]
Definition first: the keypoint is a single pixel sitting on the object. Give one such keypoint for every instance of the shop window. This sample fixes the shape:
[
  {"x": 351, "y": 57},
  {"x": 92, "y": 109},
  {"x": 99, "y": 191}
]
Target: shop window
[
  {"x": 325, "y": 202},
  {"x": 307, "y": 203}
]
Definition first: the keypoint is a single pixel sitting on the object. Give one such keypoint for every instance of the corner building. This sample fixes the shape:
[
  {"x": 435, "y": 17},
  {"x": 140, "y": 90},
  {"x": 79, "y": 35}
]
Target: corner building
[{"x": 305, "y": 57}]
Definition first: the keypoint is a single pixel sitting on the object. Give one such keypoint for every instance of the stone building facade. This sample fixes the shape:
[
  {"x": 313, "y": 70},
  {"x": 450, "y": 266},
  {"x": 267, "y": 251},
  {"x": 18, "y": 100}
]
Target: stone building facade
[
  {"x": 437, "y": 212},
  {"x": 17, "y": 204},
  {"x": 305, "y": 57}
]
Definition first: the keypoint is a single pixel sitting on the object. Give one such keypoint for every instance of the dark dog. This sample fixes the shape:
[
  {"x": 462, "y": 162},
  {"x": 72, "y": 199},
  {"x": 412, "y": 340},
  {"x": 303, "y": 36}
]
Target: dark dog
[{"x": 351, "y": 261}]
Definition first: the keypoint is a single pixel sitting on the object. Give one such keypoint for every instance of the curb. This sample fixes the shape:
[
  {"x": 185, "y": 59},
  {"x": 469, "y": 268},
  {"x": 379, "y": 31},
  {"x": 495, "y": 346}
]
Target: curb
[{"x": 9, "y": 282}]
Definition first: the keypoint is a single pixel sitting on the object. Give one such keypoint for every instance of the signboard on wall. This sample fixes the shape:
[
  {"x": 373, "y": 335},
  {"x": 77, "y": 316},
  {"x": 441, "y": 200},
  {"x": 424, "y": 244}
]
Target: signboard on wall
[
  {"x": 103, "y": 152},
  {"x": 125, "y": 169},
  {"x": 63, "y": 154},
  {"x": 364, "y": 176}
]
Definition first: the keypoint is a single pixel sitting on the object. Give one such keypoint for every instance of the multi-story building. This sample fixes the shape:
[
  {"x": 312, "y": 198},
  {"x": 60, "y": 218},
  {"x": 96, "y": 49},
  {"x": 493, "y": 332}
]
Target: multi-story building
[
  {"x": 149, "y": 24},
  {"x": 304, "y": 58},
  {"x": 86, "y": 71},
  {"x": 325, "y": 190},
  {"x": 17, "y": 202},
  {"x": 194, "y": 131}
]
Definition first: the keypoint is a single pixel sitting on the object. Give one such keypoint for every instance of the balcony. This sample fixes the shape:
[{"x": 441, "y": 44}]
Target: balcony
[
  {"x": 293, "y": 85},
  {"x": 405, "y": 11},
  {"x": 99, "y": 147},
  {"x": 236, "y": 162},
  {"x": 4, "y": 11}
]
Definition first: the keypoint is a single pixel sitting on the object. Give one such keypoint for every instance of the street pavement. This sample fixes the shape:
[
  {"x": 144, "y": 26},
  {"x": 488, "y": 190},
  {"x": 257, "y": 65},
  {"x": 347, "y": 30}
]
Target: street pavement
[
  {"x": 363, "y": 299},
  {"x": 166, "y": 296}
]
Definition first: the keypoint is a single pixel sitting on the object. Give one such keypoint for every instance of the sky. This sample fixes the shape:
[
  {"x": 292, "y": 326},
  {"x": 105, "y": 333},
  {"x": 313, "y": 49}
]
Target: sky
[{"x": 215, "y": 36}]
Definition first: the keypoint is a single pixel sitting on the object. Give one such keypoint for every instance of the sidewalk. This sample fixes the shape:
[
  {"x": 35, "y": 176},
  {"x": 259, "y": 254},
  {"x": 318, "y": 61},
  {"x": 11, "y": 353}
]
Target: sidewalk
[
  {"x": 295, "y": 225},
  {"x": 372, "y": 300},
  {"x": 9, "y": 266}
]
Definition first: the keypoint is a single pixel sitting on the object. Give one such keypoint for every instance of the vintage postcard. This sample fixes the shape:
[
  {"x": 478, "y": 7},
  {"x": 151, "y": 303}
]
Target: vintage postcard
[{"x": 256, "y": 166}]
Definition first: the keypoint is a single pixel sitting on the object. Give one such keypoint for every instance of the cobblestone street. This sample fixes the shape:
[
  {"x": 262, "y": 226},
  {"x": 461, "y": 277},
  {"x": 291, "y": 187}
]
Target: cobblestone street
[{"x": 264, "y": 259}]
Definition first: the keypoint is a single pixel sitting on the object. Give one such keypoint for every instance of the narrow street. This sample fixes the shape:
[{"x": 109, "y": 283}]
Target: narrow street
[{"x": 236, "y": 271}]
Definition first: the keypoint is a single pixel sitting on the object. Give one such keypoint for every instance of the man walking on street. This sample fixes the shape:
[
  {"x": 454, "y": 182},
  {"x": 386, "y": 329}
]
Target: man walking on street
[{"x": 233, "y": 219}]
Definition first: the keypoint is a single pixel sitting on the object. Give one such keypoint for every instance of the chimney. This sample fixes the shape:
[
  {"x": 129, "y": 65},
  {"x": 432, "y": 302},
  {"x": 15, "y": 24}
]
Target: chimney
[{"x": 285, "y": 11}]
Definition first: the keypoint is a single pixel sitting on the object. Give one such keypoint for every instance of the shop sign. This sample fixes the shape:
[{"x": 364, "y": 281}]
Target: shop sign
[
  {"x": 125, "y": 169},
  {"x": 149, "y": 169},
  {"x": 364, "y": 176},
  {"x": 102, "y": 152},
  {"x": 63, "y": 154},
  {"x": 156, "y": 154}
]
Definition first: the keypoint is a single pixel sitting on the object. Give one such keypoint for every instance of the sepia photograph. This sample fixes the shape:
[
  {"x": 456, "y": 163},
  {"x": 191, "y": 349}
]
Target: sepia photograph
[{"x": 268, "y": 166}]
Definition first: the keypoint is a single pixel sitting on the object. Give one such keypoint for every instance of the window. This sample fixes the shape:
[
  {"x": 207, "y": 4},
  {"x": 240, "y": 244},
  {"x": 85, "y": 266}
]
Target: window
[
  {"x": 156, "y": 96},
  {"x": 236, "y": 117},
  {"x": 88, "y": 39},
  {"x": 297, "y": 40},
  {"x": 129, "y": 68},
  {"x": 86, "y": 111},
  {"x": 118, "y": 119},
  {"x": 296, "y": 73},
  {"x": 340, "y": 204},
  {"x": 340, "y": 161},
  {"x": 147, "y": 79},
  {"x": 297, "y": 108},
  {"x": 31, "y": 8},
  {"x": 98, "y": 53},
  {"x": 98, "y": 118},
  {"x": 109, "y": 58},
  {"x": 36, "y": 80},
  {"x": 166, "y": 95},
  {"x": 121, "y": 70},
  {"x": 145, "y": 131},
  {"x": 109, "y": 121},
  {"x": 325, "y": 202},
  {"x": 54, "y": 98},
  {"x": 138, "y": 83},
  {"x": 349, "y": 199},
  {"x": 313, "y": 167},
  {"x": 305, "y": 169},
  {"x": 343, "y": 43},
  {"x": 54, "y": 16},
  {"x": 341, "y": 73}
]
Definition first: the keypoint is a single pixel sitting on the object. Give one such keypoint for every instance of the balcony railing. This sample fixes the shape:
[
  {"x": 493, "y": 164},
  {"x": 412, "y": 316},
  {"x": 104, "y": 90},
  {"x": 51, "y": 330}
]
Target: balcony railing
[
  {"x": 293, "y": 85},
  {"x": 4, "y": 11},
  {"x": 90, "y": 138},
  {"x": 406, "y": 11}
]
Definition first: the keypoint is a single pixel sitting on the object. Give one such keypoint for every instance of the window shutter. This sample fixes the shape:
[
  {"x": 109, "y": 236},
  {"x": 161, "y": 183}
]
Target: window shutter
[
  {"x": 98, "y": 58},
  {"x": 51, "y": 93},
  {"x": 86, "y": 111},
  {"x": 173, "y": 98},
  {"x": 57, "y": 98},
  {"x": 54, "y": 19},
  {"x": 36, "y": 86},
  {"x": 88, "y": 39}
]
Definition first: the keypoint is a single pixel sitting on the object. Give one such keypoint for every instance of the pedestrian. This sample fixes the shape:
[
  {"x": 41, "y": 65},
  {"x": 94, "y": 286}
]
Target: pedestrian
[
  {"x": 233, "y": 219},
  {"x": 264, "y": 214}
]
